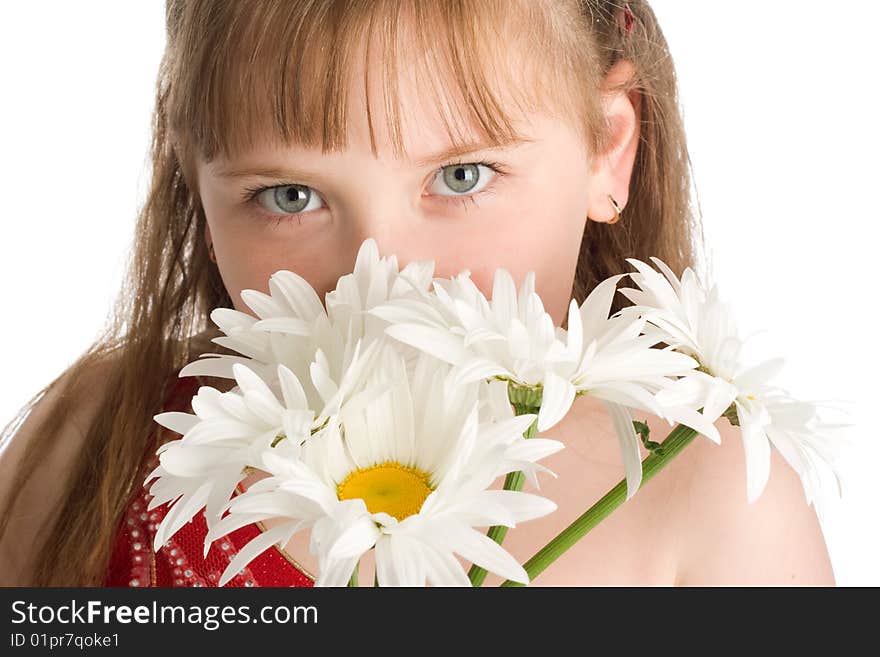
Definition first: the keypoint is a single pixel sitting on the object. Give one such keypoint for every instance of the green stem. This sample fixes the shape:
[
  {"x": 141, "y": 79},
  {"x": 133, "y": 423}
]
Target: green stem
[
  {"x": 513, "y": 481},
  {"x": 676, "y": 441},
  {"x": 353, "y": 581}
]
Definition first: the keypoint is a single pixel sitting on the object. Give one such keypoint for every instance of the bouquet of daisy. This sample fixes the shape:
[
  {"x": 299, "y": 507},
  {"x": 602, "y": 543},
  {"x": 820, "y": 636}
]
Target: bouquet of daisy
[{"x": 381, "y": 418}]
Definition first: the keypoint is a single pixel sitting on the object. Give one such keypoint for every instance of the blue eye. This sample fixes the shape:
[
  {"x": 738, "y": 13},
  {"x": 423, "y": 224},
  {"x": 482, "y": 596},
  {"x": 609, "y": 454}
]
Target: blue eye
[
  {"x": 464, "y": 178},
  {"x": 467, "y": 181},
  {"x": 286, "y": 199}
]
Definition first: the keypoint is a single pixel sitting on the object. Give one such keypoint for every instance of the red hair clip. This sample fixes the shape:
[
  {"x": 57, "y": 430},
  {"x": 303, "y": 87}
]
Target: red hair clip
[{"x": 626, "y": 19}]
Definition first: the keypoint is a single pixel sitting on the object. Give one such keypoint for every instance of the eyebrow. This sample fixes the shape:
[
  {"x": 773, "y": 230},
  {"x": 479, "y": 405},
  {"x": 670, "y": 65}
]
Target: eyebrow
[
  {"x": 471, "y": 147},
  {"x": 455, "y": 151}
]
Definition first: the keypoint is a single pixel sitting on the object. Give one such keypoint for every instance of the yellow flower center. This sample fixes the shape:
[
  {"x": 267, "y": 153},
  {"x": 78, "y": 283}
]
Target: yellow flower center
[{"x": 396, "y": 489}]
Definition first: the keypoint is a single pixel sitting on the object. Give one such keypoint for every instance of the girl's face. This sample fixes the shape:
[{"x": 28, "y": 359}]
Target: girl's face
[{"x": 522, "y": 207}]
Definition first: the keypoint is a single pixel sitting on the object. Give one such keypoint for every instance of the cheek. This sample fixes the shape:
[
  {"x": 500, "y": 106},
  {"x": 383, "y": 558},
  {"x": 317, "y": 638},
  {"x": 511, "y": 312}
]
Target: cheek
[
  {"x": 250, "y": 248},
  {"x": 540, "y": 233},
  {"x": 249, "y": 252},
  {"x": 254, "y": 275},
  {"x": 247, "y": 274}
]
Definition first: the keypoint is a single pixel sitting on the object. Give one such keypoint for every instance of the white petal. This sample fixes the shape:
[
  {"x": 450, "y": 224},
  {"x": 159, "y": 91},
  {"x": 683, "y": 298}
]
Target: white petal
[
  {"x": 291, "y": 389},
  {"x": 406, "y": 557},
  {"x": 254, "y": 548},
  {"x": 215, "y": 432},
  {"x": 416, "y": 274},
  {"x": 177, "y": 422},
  {"x": 262, "y": 304},
  {"x": 629, "y": 445},
  {"x": 477, "y": 511},
  {"x": 229, "y": 320},
  {"x": 556, "y": 401},
  {"x": 689, "y": 390},
  {"x": 299, "y": 294},
  {"x": 477, "y": 335},
  {"x": 443, "y": 569},
  {"x": 660, "y": 288},
  {"x": 497, "y": 401},
  {"x": 355, "y": 540},
  {"x": 219, "y": 366},
  {"x": 322, "y": 380},
  {"x": 219, "y": 497},
  {"x": 533, "y": 449},
  {"x": 478, "y": 548},
  {"x": 440, "y": 343},
  {"x": 759, "y": 374},
  {"x": 518, "y": 339},
  {"x": 297, "y": 424},
  {"x": 527, "y": 289},
  {"x": 408, "y": 311},
  {"x": 670, "y": 275},
  {"x": 631, "y": 395},
  {"x": 595, "y": 308},
  {"x": 475, "y": 369},
  {"x": 504, "y": 302},
  {"x": 522, "y": 506},
  {"x": 718, "y": 399},
  {"x": 757, "y": 454},
  {"x": 336, "y": 573},
  {"x": 385, "y": 571},
  {"x": 575, "y": 333},
  {"x": 265, "y": 407},
  {"x": 288, "y": 325},
  {"x": 248, "y": 343},
  {"x": 275, "y": 502},
  {"x": 180, "y": 514},
  {"x": 206, "y": 403},
  {"x": 696, "y": 421},
  {"x": 192, "y": 460},
  {"x": 229, "y": 523},
  {"x": 250, "y": 381}
]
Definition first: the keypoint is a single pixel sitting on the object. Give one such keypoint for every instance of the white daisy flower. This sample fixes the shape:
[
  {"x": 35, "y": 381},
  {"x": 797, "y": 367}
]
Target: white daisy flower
[
  {"x": 406, "y": 473},
  {"x": 768, "y": 417},
  {"x": 811, "y": 445},
  {"x": 328, "y": 350},
  {"x": 697, "y": 322},
  {"x": 513, "y": 338},
  {"x": 228, "y": 433}
]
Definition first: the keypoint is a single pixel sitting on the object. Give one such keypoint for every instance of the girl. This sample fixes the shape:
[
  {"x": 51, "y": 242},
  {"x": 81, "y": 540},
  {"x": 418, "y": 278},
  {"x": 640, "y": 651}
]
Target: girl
[{"x": 527, "y": 134}]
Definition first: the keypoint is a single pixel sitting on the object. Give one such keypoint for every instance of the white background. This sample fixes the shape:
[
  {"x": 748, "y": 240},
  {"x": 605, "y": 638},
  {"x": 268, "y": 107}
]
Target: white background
[{"x": 780, "y": 105}]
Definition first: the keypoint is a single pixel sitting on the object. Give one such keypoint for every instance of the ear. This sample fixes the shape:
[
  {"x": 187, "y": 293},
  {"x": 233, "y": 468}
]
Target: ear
[
  {"x": 611, "y": 169},
  {"x": 207, "y": 234}
]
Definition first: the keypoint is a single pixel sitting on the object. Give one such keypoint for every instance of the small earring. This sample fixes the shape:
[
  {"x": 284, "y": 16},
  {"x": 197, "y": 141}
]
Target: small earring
[
  {"x": 211, "y": 254},
  {"x": 617, "y": 210}
]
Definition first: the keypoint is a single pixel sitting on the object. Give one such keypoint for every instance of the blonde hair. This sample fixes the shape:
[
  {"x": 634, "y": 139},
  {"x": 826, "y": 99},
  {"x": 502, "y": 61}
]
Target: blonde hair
[{"x": 236, "y": 73}]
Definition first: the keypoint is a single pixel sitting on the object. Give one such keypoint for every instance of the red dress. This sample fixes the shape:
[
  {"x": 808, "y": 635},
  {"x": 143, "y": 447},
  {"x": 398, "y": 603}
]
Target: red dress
[{"x": 180, "y": 562}]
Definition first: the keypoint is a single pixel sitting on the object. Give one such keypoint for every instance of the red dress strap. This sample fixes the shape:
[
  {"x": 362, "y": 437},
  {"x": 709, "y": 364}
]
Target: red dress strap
[{"x": 180, "y": 561}]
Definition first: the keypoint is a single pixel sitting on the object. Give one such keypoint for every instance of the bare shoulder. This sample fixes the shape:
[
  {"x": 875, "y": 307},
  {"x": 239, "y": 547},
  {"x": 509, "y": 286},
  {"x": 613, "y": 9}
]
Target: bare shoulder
[
  {"x": 40, "y": 495},
  {"x": 722, "y": 539},
  {"x": 689, "y": 525}
]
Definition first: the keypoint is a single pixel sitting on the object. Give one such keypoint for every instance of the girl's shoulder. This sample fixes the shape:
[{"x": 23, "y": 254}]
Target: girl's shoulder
[
  {"x": 40, "y": 495},
  {"x": 78, "y": 395},
  {"x": 724, "y": 539},
  {"x": 690, "y": 524}
]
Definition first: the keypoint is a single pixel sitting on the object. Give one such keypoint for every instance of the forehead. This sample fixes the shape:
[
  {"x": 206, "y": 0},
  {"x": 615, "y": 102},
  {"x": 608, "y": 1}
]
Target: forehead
[
  {"x": 425, "y": 109},
  {"x": 428, "y": 82}
]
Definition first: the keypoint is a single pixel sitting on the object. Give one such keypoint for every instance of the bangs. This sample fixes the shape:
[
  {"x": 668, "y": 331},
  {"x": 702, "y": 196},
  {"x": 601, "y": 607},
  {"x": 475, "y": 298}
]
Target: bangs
[{"x": 245, "y": 74}]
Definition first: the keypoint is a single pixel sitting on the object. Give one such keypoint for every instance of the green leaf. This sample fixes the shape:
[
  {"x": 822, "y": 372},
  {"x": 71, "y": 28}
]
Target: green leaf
[{"x": 644, "y": 431}]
